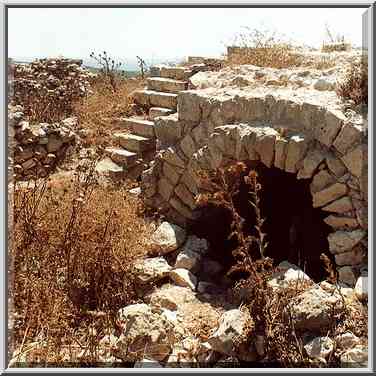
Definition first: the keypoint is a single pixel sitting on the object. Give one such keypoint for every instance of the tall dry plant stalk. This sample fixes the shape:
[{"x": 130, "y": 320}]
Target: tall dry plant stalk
[{"x": 72, "y": 247}]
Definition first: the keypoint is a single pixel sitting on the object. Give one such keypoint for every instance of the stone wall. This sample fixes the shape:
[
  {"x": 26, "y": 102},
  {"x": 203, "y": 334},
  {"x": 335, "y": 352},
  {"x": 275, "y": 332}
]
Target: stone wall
[
  {"x": 35, "y": 149},
  {"x": 300, "y": 131}
]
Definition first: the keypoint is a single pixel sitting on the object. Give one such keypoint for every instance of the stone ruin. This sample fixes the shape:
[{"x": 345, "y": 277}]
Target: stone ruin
[
  {"x": 303, "y": 133},
  {"x": 61, "y": 81},
  {"x": 34, "y": 147}
]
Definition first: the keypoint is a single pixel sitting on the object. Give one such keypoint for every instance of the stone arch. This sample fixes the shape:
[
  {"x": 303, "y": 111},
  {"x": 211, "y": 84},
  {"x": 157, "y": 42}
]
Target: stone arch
[{"x": 298, "y": 137}]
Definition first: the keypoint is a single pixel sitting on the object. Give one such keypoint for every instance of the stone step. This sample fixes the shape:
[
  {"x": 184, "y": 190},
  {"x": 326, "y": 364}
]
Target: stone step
[
  {"x": 140, "y": 127},
  {"x": 166, "y": 84},
  {"x": 176, "y": 73},
  {"x": 151, "y": 98},
  {"x": 134, "y": 143},
  {"x": 159, "y": 111},
  {"x": 121, "y": 156}
]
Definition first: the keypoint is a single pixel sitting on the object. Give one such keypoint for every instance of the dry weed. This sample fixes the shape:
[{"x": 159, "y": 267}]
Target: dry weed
[
  {"x": 98, "y": 111},
  {"x": 70, "y": 255},
  {"x": 354, "y": 86}
]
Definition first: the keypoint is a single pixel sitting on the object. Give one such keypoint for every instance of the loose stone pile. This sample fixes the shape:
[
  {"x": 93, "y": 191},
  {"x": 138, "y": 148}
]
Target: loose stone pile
[
  {"x": 34, "y": 149},
  {"x": 180, "y": 293},
  {"x": 61, "y": 81}
]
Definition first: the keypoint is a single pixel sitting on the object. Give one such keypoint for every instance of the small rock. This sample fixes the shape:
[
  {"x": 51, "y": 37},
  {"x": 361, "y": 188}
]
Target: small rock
[
  {"x": 323, "y": 84},
  {"x": 167, "y": 238},
  {"x": 151, "y": 269},
  {"x": 347, "y": 340},
  {"x": 288, "y": 273},
  {"x": 232, "y": 325},
  {"x": 356, "y": 357},
  {"x": 170, "y": 297},
  {"x": 144, "y": 333},
  {"x": 319, "y": 347},
  {"x": 312, "y": 310},
  {"x": 184, "y": 278},
  {"x": 361, "y": 288},
  {"x": 147, "y": 363},
  {"x": 191, "y": 254}
]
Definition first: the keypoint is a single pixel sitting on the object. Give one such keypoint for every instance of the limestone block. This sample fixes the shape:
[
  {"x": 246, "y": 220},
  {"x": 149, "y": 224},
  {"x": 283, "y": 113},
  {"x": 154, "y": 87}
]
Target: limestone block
[
  {"x": 361, "y": 288},
  {"x": 296, "y": 150},
  {"x": 168, "y": 129},
  {"x": 184, "y": 278},
  {"x": 171, "y": 173},
  {"x": 320, "y": 181},
  {"x": 339, "y": 222},
  {"x": 185, "y": 195},
  {"x": 265, "y": 143},
  {"x": 335, "y": 165},
  {"x": 151, "y": 269},
  {"x": 346, "y": 275},
  {"x": 188, "y": 146},
  {"x": 329, "y": 194},
  {"x": 215, "y": 152},
  {"x": 189, "y": 106},
  {"x": 327, "y": 131},
  {"x": 343, "y": 241},
  {"x": 181, "y": 208},
  {"x": 312, "y": 310},
  {"x": 232, "y": 325},
  {"x": 165, "y": 188},
  {"x": 354, "y": 257},
  {"x": 355, "y": 160},
  {"x": 171, "y": 156},
  {"x": 349, "y": 136},
  {"x": 167, "y": 238},
  {"x": 280, "y": 152},
  {"x": 319, "y": 347},
  {"x": 188, "y": 180},
  {"x": 310, "y": 164},
  {"x": 343, "y": 205},
  {"x": 199, "y": 134}
]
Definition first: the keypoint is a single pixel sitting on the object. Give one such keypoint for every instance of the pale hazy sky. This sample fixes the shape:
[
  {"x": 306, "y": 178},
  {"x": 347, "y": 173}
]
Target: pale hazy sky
[{"x": 164, "y": 33}]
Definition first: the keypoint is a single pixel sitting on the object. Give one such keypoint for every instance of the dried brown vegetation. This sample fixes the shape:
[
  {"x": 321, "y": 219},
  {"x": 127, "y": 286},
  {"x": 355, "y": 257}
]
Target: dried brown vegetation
[
  {"x": 270, "y": 308},
  {"x": 264, "y": 49},
  {"x": 97, "y": 112},
  {"x": 354, "y": 86},
  {"x": 71, "y": 248}
]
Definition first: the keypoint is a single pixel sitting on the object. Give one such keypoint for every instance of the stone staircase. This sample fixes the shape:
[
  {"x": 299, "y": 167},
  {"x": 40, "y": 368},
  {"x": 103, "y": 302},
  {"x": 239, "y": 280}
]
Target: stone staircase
[{"x": 136, "y": 146}]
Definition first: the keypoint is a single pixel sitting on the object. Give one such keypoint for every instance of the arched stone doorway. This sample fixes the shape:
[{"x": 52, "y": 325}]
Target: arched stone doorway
[{"x": 317, "y": 145}]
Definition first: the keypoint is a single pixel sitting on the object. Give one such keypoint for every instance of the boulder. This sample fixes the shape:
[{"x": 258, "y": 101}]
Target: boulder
[
  {"x": 347, "y": 341},
  {"x": 151, "y": 269},
  {"x": 361, "y": 288},
  {"x": 167, "y": 238},
  {"x": 144, "y": 334},
  {"x": 191, "y": 254},
  {"x": 312, "y": 310},
  {"x": 170, "y": 297},
  {"x": 287, "y": 273},
  {"x": 183, "y": 277},
  {"x": 319, "y": 347},
  {"x": 232, "y": 327},
  {"x": 356, "y": 357}
]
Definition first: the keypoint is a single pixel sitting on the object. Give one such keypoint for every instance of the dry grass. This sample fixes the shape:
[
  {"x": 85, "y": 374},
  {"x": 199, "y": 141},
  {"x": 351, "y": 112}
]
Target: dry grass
[
  {"x": 72, "y": 244},
  {"x": 98, "y": 111},
  {"x": 264, "y": 49},
  {"x": 355, "y": 83}
]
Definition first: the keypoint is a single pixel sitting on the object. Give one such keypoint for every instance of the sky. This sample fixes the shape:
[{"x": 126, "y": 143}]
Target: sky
[{"x": 157, "y": 34}]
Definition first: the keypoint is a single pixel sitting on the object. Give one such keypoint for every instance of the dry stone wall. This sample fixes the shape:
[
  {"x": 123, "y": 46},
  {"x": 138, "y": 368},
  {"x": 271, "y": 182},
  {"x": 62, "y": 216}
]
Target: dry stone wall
[
  {"x": 299, "y": 131},
  {"x": 34, "y": 149}
]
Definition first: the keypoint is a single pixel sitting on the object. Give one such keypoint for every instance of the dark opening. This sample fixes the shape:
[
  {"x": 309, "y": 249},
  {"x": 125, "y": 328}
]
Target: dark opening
[{"x": 295, "y": 230}]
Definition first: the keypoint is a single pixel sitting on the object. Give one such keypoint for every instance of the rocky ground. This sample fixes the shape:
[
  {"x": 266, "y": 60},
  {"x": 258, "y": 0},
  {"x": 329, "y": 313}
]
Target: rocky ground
[{"x": 187, "y": 314}]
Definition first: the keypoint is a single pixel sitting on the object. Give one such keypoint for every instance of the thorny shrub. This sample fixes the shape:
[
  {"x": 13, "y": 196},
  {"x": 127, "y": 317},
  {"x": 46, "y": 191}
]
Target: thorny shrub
[
  {"x": 354, "y": 86},
  {"x": 71, "y": 247},
  {"x": 270, "y": 309}
]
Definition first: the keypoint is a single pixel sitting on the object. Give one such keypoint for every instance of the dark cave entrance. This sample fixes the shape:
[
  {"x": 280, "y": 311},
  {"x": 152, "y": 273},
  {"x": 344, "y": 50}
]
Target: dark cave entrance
[{"x": 294, "y": 229}]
